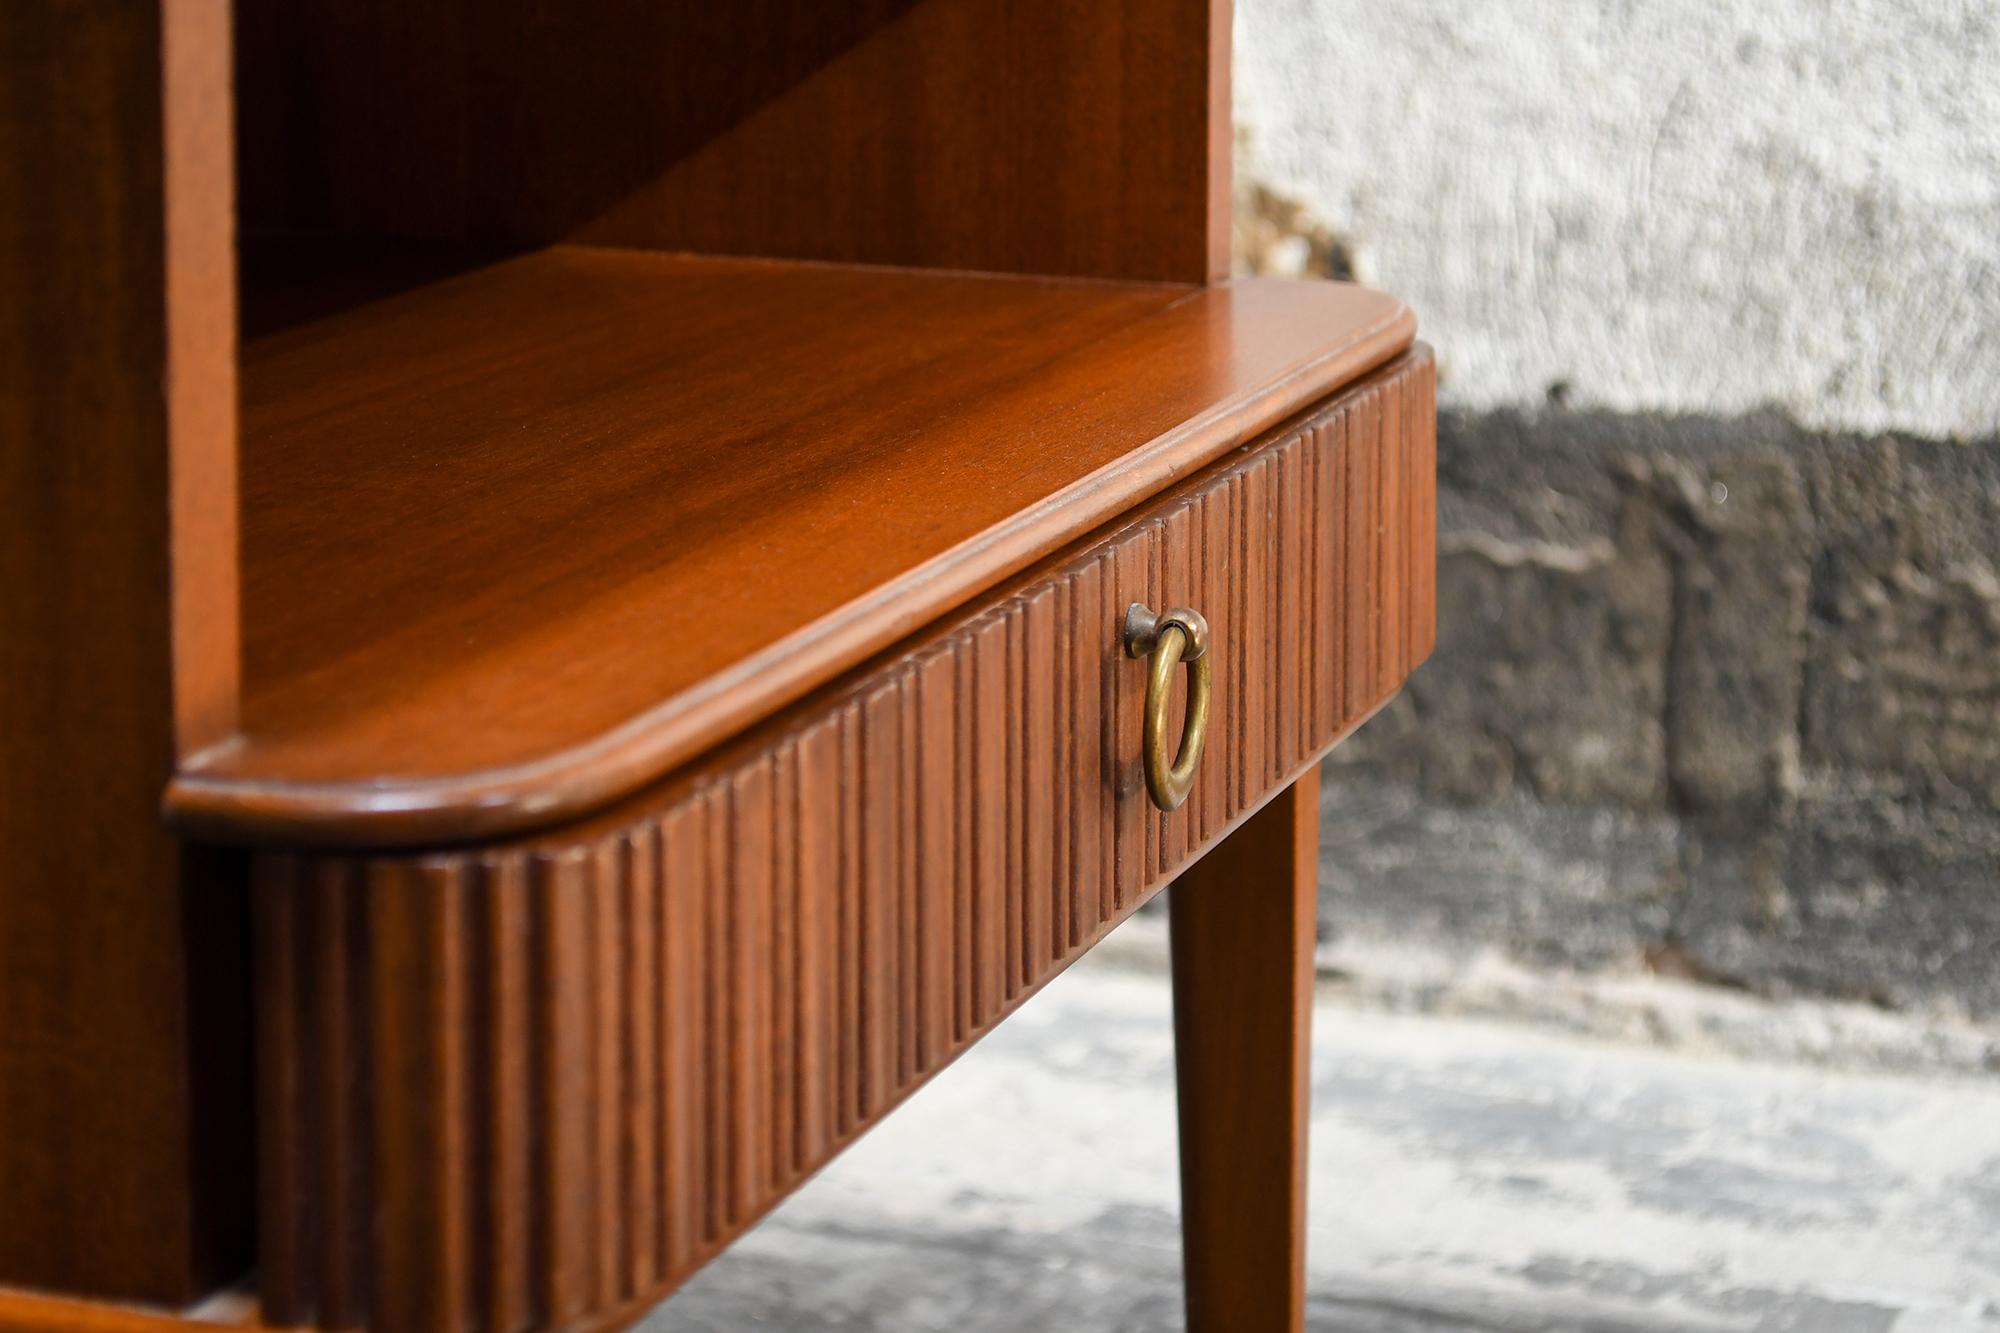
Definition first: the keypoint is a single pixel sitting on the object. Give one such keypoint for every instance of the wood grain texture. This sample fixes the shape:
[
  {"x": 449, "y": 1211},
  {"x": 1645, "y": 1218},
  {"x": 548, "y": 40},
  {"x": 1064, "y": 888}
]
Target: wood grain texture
[
  {"x": 124, "y": 1086},
  {"x": 1027, "y": 136},
  {"x": 521, "y": 541},
  {"x": 1242, "y": 931},
  {"x": 559, "y": 1073}
]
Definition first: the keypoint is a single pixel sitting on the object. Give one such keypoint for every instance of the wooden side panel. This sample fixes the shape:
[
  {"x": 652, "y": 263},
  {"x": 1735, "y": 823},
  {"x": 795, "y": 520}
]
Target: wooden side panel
[
  {"x": 728, "y": 979},
  {"x": 996, "y": 135},
  {"x": 124, "y": 1098}
]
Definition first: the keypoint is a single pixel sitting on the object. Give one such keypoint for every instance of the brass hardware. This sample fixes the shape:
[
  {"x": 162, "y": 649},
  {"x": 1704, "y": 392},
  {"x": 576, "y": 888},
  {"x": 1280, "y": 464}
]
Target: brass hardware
[{"x": 1179, "y": 635}]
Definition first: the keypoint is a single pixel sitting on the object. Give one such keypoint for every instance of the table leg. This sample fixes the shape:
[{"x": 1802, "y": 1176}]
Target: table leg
[{"x": 1242, "y": 927}]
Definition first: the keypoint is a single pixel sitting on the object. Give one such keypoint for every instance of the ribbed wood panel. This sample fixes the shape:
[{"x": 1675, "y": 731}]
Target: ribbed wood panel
[{"x": 535, "y": 1085}]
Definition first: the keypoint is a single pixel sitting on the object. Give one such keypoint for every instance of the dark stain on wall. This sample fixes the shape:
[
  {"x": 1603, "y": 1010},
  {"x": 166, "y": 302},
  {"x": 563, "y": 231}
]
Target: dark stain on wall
[{"x": 1736, "y": 685}]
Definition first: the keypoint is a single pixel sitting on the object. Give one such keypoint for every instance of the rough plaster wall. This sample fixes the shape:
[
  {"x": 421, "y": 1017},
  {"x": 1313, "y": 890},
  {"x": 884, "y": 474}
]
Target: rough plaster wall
[{"x": 1707, "y": 207}]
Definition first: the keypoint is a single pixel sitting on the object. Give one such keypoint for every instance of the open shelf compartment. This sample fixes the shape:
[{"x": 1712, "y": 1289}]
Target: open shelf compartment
[{"x": 522, "y": 538}]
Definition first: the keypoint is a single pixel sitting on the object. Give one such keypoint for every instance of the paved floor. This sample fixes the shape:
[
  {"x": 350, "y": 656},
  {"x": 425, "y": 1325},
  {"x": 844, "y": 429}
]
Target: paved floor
[{"x": 1468, "y": 1175}]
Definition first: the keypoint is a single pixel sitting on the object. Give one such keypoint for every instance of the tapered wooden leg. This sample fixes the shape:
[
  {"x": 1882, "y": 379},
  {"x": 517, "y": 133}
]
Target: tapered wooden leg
[{"x": 1242, "y": 923}]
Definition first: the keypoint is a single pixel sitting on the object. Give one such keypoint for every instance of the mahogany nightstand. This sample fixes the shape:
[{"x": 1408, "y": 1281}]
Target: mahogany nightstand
[{"x": 593, "y": 592}]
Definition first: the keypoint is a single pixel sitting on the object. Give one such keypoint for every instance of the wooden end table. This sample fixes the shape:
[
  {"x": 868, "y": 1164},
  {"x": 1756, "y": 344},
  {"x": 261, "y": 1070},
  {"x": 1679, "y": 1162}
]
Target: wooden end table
[{"x": 666, "y": 568}]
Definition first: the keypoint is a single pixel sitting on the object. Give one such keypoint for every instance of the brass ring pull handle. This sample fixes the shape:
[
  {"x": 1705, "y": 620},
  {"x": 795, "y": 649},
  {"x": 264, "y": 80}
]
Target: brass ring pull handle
[{"x": 1180, "y": 635}]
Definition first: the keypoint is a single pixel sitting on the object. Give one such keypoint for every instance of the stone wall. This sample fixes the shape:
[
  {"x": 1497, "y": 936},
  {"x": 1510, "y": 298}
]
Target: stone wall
[
  {"x": 1716, "y": 290},
  {"x": 1767, "y": 661}
]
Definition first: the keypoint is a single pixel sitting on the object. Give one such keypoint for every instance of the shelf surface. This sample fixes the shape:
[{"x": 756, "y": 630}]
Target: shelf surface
[{"x": 522, "y": 540}]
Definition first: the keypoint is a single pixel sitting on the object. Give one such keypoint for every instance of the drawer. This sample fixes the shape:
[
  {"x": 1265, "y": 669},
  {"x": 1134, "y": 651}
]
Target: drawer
[{"x": 536, "y": 1083}]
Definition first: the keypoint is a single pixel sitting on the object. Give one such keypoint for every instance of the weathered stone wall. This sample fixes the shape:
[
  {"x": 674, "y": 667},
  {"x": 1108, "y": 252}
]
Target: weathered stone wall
[
  {"x": 1716, "y": 291},
  {"x": 1761, "y": 668}
]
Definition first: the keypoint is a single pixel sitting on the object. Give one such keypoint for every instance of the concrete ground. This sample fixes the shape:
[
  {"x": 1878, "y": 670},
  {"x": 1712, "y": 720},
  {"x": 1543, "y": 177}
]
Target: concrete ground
[{"x": 1470, "y": 1173}]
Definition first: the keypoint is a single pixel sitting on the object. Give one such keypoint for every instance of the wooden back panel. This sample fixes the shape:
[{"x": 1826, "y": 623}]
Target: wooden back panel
[
  {"x": 123, "y": 1049},
  {"x": 1033, "y": 136}
]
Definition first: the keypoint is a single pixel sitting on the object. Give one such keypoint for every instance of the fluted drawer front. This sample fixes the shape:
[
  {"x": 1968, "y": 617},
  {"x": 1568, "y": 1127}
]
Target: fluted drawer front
[{"x": 534, "y": 1085}]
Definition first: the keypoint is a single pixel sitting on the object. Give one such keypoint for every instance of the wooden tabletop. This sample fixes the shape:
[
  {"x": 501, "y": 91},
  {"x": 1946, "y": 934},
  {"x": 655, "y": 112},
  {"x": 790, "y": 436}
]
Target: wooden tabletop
[{"x": 522, "y": 540}]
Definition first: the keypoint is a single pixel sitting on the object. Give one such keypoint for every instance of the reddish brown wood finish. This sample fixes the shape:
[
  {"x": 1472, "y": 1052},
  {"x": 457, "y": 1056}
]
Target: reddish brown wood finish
[
  {"x": 1028, "y": 136},
  {"x": 1242, "y": 923},
  {"x": 558, "y": 1074},
  {"x": 39, "y": 1312},
  {"x": 520, "y": 542},
  {"x": 123, "y": 965}
]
